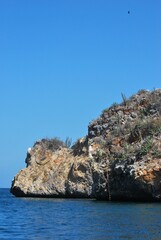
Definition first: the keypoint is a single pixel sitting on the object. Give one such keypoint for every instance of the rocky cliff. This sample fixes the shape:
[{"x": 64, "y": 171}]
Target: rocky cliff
[{"x": 119, "y": 159}]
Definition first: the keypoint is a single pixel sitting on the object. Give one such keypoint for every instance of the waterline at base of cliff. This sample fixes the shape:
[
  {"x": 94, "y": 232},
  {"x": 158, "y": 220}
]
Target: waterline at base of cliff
[{"x": 119, "y": 159}]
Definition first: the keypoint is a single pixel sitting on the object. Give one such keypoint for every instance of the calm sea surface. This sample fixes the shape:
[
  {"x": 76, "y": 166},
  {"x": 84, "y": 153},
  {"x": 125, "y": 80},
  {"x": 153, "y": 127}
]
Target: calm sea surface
[{"x": 24, "y": 218}]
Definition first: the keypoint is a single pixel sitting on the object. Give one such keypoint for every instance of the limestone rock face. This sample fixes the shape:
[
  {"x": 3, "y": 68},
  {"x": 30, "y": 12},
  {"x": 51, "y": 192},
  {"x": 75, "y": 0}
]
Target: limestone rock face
[
  {"x": 53, "y": 174},
  {"x": 119, "y": 159}
]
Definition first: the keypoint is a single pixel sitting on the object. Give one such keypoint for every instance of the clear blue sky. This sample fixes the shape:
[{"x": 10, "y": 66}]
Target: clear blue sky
[{"x": 63, "y": 62}]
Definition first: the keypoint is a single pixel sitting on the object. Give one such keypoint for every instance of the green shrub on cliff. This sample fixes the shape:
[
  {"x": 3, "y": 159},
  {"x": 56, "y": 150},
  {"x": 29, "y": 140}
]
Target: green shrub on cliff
[{"x": 52, "y": 144}]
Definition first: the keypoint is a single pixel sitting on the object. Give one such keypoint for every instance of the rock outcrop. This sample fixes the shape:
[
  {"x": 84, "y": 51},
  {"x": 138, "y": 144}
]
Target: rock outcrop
[
  {"x": 119, "y": 159},
  {"x": 53, "y": 172}
]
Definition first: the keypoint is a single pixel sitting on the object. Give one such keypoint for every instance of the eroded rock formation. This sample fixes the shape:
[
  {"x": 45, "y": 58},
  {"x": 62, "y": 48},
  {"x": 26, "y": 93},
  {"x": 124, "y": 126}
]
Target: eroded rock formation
[{"x": 119, "y": 159}]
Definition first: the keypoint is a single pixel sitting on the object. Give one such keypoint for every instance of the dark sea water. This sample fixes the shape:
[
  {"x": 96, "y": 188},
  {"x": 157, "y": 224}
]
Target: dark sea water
[{"x": 24, "y": 218}]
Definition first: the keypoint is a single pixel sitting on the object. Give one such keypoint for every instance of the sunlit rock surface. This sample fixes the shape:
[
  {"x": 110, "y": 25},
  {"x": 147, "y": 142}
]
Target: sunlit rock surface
[{"x": 119, "y": 159}]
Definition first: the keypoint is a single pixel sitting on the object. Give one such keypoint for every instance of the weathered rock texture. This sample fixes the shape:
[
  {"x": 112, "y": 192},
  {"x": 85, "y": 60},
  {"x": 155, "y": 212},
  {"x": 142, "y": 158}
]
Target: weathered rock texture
[{"x": 119, "y": 159}]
